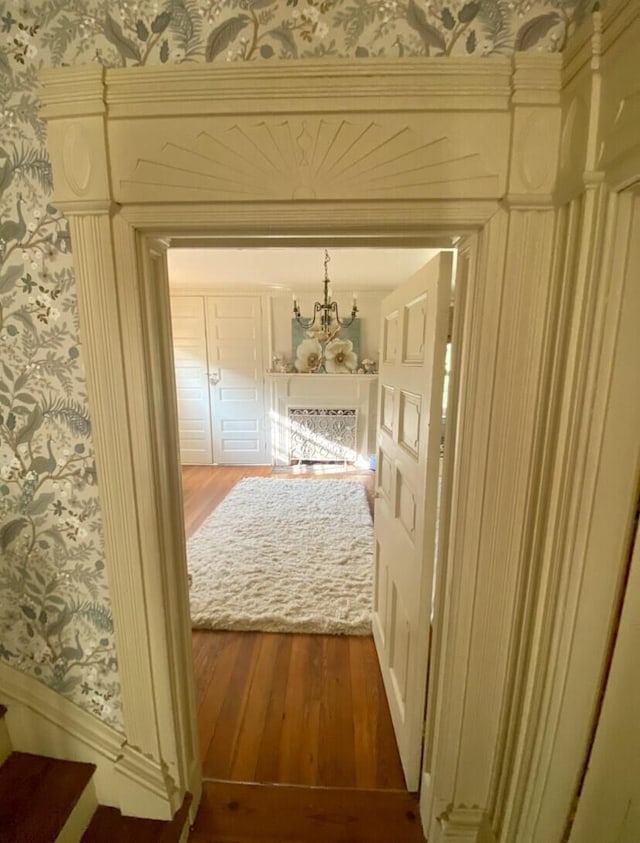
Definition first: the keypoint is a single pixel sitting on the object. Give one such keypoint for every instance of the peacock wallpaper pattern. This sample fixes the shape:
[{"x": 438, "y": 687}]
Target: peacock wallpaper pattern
[{"x": 55, "y": 616}]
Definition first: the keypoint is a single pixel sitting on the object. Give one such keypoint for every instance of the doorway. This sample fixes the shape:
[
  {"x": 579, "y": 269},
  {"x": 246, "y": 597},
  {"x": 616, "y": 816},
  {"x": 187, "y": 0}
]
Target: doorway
[
  {"x": 113, "y": 136},
  {"x": 332, "y": 701}
]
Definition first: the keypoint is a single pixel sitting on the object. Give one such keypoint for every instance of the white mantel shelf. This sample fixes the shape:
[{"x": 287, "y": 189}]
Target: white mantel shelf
[{"x": 323, "y": 375}]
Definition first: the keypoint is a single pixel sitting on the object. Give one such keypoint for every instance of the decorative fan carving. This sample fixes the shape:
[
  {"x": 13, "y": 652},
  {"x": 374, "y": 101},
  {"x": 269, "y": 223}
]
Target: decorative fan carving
[{"x": 311, "y": 159}]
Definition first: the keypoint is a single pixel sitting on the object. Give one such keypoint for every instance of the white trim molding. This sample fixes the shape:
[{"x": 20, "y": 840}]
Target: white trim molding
[
  {"x": 367, "y": 149},
  {"x": 42, "y": 722},
  {"x": 579, "y": 558}
]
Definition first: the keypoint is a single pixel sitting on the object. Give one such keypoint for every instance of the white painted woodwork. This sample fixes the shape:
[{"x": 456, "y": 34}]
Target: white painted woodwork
[
  {"x": 141, "y": 636},
  {"x": 592, "y": 486},
  {"x": 465, "y": 264},
  {"x": 597, "y": 523},
  {"x": 42, "y": 722},
  {"x": 235, "y": 349},
  {"x": 414, "y": 328},
  {"x": 322, "y": 391},
  {"x": 609, "y": 804},
  {"x": 80, "y": 816},
  {"x": 520, "y": 638},
  {"x": 192, "y": 379}
]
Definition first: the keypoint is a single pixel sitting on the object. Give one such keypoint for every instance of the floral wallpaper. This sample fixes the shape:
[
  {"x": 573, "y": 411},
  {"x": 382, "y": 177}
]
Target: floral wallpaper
[{"x": 55, "y": 617}]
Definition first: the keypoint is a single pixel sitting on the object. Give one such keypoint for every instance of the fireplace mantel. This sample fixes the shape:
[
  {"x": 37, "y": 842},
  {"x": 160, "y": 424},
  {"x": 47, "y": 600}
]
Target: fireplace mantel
[{"x": 297, "y": 390}]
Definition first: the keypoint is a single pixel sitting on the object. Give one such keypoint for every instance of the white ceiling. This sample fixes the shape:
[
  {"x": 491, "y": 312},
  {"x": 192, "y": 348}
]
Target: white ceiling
[{"x": 294, "y": 269}]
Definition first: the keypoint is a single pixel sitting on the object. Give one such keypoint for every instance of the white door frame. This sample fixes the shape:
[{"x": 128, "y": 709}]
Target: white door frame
[{"x": 488, "y": 129}]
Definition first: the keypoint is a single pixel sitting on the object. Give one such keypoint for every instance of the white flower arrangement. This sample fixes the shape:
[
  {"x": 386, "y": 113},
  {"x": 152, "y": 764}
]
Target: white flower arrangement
[
  {"x": 340, "y": 357},
  {"x": 308, "y": 356}
]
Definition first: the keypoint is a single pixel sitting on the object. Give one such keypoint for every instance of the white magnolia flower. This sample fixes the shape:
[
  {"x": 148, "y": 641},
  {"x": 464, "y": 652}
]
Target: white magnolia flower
[
  {"x": 308, "y": 356},
  {"x": 340, "y": 356}
]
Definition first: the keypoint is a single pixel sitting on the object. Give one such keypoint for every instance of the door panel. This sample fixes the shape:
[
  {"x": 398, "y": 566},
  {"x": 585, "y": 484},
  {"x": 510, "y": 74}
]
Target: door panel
[
  {"x": 234, "y": 330},
  {"x": 414, "y": 333},
  {"x": 192, "y": 387}
]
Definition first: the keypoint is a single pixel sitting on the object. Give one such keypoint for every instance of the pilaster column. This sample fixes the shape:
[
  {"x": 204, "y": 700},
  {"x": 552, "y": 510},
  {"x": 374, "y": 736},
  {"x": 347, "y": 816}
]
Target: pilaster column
[
  {"x": 159, "y": 761},
  {"x": 504, "y": 379}
]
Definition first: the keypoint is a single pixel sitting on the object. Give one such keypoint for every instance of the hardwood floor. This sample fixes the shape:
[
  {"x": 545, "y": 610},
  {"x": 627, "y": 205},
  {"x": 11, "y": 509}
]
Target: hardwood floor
[
  {"x": 295, "y": 732},
  {"x": 294, "y": 709},
  {"x": 241, "y": 813}
]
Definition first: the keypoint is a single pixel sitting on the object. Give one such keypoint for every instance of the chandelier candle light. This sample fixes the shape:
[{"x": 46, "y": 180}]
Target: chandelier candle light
[{"x": 322, "y": 352}]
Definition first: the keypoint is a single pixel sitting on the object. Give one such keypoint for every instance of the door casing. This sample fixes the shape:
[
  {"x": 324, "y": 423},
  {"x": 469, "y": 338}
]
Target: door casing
[{"x": 500, "y": 478}]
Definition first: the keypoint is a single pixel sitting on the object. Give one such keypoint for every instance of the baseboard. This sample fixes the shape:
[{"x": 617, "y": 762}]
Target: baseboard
[
  {"x": 454, "y": 825},
  {"x": 44, "y": 723},
  {"x": 145, "y": 789}
]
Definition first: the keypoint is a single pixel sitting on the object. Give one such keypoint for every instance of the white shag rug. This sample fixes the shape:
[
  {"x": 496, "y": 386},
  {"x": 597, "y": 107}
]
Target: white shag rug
[{"x": 285, "y": 556}]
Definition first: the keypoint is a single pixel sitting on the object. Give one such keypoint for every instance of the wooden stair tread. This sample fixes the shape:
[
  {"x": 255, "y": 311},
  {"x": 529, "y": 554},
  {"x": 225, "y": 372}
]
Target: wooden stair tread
[
  {"x": 233, "y": 812},
  {"x": 108, "y": 825},
  {"x": 37, "y": 794}
]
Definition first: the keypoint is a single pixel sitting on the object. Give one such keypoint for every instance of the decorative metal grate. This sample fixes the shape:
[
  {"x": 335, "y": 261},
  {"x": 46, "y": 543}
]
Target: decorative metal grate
[{"x": 320, "y": 435}]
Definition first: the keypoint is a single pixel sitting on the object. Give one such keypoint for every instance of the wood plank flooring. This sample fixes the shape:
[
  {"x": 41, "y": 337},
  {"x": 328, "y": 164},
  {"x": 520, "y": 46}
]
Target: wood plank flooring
[
  {"x": 241, "y": 813},
  {"x": 295, "y": 732},
  {"x": 293, "y": 709}
]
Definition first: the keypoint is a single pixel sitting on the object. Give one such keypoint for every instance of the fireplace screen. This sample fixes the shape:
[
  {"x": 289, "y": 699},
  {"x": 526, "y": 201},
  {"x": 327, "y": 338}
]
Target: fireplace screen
[{"x": 322, "y": 435}]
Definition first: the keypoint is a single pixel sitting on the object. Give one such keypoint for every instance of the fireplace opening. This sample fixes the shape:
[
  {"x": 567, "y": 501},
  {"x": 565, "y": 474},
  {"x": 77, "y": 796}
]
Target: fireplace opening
[{"x": 321, "y": 435}]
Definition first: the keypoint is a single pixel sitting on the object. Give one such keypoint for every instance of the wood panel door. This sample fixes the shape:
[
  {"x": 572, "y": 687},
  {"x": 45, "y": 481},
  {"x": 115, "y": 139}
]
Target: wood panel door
[
  {"x": 414, "y": 338},
  {"x": 192, "y": 383},
  {"x": 236, "y": 374}
]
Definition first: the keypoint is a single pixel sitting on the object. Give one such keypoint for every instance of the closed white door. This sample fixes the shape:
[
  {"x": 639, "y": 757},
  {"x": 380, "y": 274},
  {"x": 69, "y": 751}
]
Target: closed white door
[
  {"x": 414, "y": 338},
  {"x": 236, "y": 372},
  {"x": 192, "y": 385}
]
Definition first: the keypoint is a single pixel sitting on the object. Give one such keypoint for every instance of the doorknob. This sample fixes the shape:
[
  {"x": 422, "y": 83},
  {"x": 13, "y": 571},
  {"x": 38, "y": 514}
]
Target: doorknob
[{"x": 214, "y": 378}]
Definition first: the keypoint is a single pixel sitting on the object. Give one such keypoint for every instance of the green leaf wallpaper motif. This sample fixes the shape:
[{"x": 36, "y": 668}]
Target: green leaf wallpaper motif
[{"x": 55, "y": 618}]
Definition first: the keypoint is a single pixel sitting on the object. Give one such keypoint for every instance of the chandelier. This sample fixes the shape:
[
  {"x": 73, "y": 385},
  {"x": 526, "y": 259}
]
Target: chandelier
[{"x": 325, "y": 313}]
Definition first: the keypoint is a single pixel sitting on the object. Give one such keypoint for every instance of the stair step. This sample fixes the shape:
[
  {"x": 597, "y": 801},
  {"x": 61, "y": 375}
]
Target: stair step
[
  {"x": 110, "y": 826},
  {"x": 37, "y": 795}
]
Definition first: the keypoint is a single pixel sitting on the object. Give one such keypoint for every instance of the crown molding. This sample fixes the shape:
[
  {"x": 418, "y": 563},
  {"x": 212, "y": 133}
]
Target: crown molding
[
  {"x": 72, "y": 91},
  {"x": 536, "y": 79},
  {"x": 318, "y": 86},
  {"x": 346, "y": 218}
]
